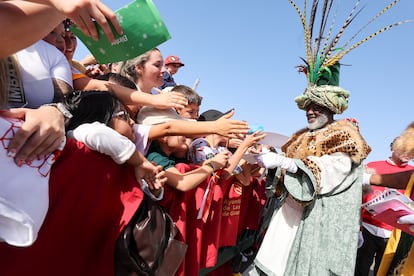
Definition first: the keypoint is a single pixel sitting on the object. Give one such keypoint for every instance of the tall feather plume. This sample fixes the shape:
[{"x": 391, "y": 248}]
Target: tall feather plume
[
  {"x": 310, "y": 56},
  {"x": 302, "y": 18},
  {"x": 348, "y": 21},
  {"x": 303, "y": 21},
  {"x": 319, "y": 60},
  {"x": 328, "y": 36},
  {"x": 392, "y": 4},
  {"x": 308, "y": 39},
  {"x": 322, "y": 25},
  {"x": 312, "y": 17},
  {"x": 340, "y": 55}
]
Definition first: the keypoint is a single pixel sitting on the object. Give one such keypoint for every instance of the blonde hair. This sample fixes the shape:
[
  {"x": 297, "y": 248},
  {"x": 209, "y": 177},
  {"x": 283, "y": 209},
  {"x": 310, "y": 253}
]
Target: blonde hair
[
  {"x": 404, "y": 144},
  {"x": 127, "y": 68}
]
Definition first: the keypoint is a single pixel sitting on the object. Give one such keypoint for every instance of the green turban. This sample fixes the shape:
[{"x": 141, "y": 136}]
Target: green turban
[{"x": 332, "y": 97}]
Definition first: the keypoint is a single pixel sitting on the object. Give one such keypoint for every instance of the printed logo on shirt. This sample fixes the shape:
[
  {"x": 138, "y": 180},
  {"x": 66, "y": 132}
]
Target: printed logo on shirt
[{"x": 16, "y": 92}]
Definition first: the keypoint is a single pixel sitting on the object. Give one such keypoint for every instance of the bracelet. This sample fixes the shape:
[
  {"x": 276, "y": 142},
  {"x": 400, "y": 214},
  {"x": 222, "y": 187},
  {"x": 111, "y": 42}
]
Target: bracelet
[
  {"x": 211, "y": 166},
  {"x": 65, "y": 112}
]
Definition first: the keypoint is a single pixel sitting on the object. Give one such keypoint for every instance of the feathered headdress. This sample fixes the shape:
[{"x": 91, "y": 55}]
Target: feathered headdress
[{"x": 322, "y": 51}]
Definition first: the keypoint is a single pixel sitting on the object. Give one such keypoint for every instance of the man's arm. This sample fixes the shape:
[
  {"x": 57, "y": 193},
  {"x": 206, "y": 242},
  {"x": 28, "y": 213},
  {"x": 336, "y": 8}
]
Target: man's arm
[{"x": 393, "y": 180}]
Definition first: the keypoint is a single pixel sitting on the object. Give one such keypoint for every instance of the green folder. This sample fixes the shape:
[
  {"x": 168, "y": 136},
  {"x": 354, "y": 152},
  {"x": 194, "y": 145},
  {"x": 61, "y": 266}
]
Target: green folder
[{"x": 143, "y": 30}]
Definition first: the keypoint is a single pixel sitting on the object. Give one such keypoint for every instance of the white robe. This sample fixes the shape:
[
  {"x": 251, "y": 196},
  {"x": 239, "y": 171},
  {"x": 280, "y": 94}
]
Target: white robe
[{"x": 274, "y": 251}]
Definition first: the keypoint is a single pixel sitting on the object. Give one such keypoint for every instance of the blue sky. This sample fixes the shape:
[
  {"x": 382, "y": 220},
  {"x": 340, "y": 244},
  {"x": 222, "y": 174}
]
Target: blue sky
[{"x": 244, "y": 53}]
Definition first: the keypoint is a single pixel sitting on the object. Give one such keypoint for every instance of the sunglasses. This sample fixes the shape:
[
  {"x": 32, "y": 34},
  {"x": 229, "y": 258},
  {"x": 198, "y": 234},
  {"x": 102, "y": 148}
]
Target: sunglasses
[
  {"x": 67, "y": 23},
  {"x": 123, "y": 115}
]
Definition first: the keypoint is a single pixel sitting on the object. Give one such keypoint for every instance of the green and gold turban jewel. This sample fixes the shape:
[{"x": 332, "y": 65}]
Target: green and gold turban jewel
[{"x": 323, "y": 54}]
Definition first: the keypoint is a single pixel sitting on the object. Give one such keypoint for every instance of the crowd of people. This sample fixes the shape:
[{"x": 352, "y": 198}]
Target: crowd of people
[{"x": 84, "y": 143}]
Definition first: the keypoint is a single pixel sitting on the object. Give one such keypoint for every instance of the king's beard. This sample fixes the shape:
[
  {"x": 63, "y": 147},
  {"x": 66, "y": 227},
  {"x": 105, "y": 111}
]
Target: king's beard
[{"x": 319, "y": 122}]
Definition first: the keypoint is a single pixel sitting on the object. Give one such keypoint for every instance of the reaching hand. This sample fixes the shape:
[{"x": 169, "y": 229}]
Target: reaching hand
[
  {"x": 252, "y": 139},
  {"x": 153, "y": 175},
  {"x": 230, "y": 128},
  {"x": 220, "y": 160},
  {"x": 235, "y": 142},
  {"x": 42, "y": 132},
  {"x": 85, "y": 13},
  {"x": 271, "y": 160},
  {"x": 268, "y": 160},
  {"x": 169, "y": 99}
]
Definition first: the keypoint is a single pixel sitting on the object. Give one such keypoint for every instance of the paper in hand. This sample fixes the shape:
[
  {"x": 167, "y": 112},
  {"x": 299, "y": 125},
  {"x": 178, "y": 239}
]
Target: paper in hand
[{"x": 143, "y": 29}]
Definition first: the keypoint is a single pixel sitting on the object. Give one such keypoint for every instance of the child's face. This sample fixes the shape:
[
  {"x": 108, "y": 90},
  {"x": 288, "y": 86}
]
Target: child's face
[
  {"x": 177, "y": 143},
  {"x": 123, "y": 124},
  {"x": 191, "y": 111},
  {"x": 217, "y": 140},
  {"x": 182, "y": 151}
]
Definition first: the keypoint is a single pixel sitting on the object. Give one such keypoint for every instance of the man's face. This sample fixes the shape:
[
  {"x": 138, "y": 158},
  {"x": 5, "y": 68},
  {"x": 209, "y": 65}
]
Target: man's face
[{"x": 317, "y": 116}]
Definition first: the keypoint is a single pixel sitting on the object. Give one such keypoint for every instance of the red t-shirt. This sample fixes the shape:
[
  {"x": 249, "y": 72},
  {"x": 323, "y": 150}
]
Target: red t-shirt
[
  {"x": 232, "y": 203},
  {"x": 242, "y": 209},
  {"x": 91, "y": 200},
  {"x": 183, "y": 208},
  {"x": 212, "y": 228},
  {"x": 380, "y": 167}
]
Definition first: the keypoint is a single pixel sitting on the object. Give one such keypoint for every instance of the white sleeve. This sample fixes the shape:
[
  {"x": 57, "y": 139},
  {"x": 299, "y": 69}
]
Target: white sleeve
[
  {"x": 101, "y": 138},
  {"x": 59, "y": 66},
  {"x": 39, "y": 65},
  {"x": 336, "y": 166},
  {"x": 142, "y": 141}
]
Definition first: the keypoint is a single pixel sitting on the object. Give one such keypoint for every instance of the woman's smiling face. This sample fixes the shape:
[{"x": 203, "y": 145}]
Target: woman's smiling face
[{"x": 151, "y": 73}]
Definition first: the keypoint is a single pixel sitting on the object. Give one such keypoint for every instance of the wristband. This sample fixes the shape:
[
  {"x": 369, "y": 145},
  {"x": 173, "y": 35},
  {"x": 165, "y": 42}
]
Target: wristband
[
  {"x": 366, "y": 179},
  {"x": 65, "y": 112},
  {"x": 211, "y": 166}
]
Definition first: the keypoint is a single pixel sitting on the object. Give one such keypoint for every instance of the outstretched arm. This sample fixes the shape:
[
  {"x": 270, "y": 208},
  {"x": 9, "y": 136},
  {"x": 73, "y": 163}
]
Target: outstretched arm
[
  {"x": 85, "y": 13},
  {"x": 135, "y": 97},
  {"x": 235, "y": 159},
  {"x": 189, "y": 180},
  {"x": 223, "y": 126},
  {"x": 32, "y": 20}
]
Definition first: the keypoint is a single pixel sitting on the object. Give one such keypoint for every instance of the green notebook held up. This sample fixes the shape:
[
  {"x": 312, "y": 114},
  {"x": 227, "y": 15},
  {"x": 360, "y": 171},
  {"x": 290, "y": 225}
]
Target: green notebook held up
[{"x": 143, "y": 30}]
